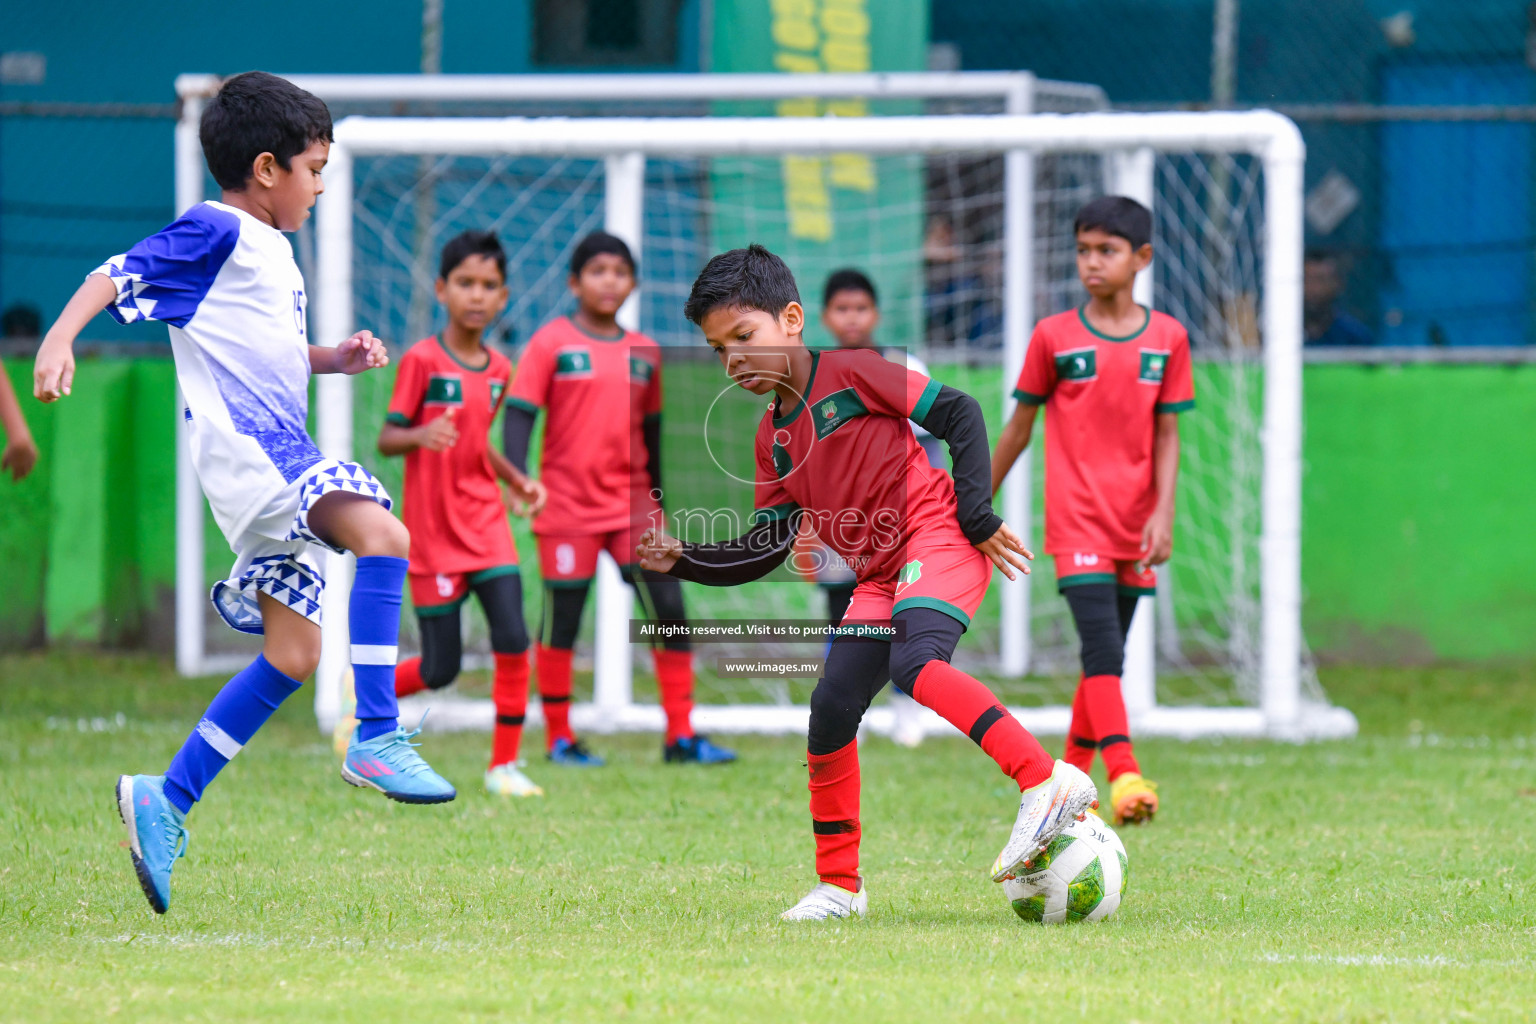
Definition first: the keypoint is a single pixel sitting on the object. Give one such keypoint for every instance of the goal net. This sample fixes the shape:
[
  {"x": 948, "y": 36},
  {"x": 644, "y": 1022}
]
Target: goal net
[
  {"x": 434, "y": 197},
  {"x": 964, "y": 224}
]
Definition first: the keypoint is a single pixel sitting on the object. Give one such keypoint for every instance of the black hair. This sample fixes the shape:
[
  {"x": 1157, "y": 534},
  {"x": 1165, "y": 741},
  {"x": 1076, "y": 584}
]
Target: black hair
[
  {"x": 472, "y": 243},
  {"x": 848, "y": 280},
  {"x": 750, "y": 278},
  {"x": 258, "y": 113},
  {"x": 1319, "y": 256},
  {"x": 597, "y": 243},
  {"x": 1116, "y": 215}
]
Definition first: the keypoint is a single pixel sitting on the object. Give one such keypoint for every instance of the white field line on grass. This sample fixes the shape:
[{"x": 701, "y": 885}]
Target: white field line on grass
[
  {"x": 1377, "y": 960},
  {"x": 240, "y": 940}
]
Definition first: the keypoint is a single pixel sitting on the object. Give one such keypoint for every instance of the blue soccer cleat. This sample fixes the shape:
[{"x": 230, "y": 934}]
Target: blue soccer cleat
[
  {"x": 573, "y": 754},
  {"x": 390, "y": 764},
  {"x": 696, "y": 750},
  {"x": 157, "y": 836}
]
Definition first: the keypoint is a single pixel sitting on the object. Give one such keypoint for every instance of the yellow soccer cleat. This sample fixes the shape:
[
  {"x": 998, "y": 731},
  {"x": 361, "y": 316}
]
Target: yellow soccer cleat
[
  {"x": 341, "y": 736},
  {"x": 1133, "y": 798}
]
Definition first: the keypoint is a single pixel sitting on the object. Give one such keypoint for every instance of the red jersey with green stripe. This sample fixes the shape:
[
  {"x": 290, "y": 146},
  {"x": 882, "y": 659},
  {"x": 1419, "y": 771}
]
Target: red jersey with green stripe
[
  {"x": 452, "y": 499},
  {"x": 1101, "y": 398},
  {"x": 847, "y": 456},
  {"x": 596, "y": 393}
]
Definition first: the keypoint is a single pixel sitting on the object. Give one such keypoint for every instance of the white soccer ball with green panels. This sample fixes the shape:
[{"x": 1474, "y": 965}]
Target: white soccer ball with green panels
[{"x": 1080, "y": 877}]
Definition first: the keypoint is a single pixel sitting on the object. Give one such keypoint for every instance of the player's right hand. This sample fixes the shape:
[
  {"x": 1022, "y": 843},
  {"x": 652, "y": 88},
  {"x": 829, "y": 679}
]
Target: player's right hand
[
  {"x": 658, "y": 552},
  {"x": 440, "y": 434},
  {"x": 53, "y": 373}
]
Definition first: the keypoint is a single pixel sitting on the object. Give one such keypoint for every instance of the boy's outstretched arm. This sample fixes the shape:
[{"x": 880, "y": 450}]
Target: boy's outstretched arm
[
  {"x": 1012, "y": 441},
  {"x": 20, "y": 453},
  {"x": 357, "y": 354},
  {"x": 742, "y": 559},
  {"x": 54, "y": 371},
  {"x": 955, "y": 418},
  {"x": 1157, "y": 535}
]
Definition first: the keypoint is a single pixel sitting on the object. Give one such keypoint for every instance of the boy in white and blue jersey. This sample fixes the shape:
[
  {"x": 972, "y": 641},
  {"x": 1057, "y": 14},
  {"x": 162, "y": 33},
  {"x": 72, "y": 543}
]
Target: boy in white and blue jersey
[{"x": 223, "y": 278}]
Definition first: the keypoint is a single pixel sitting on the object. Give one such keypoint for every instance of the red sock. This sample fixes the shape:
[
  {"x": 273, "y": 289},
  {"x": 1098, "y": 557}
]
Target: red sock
[
  {"x": 554, "y": 667},
  {"x": 509, "y": 691},
  {"x": 1081, "y": 742},
  {"x": 835, "y": 815},
  {"x": 408, "y": 678},
  {"x": 674, "y": 679},
  {"x": 969, "y": 706},
  {"x": 1106, "y": 707}
]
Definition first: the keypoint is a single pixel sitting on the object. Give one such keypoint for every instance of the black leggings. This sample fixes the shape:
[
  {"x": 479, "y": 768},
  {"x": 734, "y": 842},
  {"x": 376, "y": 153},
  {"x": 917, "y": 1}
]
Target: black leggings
[
  {"x": 1103, "y": 616},
  {"x": 661, "y": 598},
  {"x": 858, "y": 667},
  {"x": 442, "y": 646}
]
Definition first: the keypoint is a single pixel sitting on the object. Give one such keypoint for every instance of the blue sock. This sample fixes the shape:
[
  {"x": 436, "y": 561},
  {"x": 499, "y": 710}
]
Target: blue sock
[
  {"x": 242, "y": 707},
  {"x": 374, "y": 620}
]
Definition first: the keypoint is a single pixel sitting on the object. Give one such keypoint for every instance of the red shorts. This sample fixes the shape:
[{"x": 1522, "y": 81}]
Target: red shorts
[
  {"x": 1080, "y": 568},
  {"x": 572, "y": 557},
  {"x": 440, "y": 593},
  {"x": 943, "y": 572}
]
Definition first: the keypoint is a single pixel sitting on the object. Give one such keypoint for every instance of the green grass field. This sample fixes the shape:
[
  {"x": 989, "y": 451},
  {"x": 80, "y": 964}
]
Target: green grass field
[{"x": 1388, "y": 878}]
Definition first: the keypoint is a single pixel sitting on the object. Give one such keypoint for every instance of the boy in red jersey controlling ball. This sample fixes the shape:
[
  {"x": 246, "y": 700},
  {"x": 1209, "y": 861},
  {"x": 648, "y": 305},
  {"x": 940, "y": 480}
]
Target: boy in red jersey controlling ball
[
  {"x": 835, "y": 445},
  {"x": 1113, "y": 376},
  {"x": 447, "y": 394},
  {"x": 600, "y": 388}
]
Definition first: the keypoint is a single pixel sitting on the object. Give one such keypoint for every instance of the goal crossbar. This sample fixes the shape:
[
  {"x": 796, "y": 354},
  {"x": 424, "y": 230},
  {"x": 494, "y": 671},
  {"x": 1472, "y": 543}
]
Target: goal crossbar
[{"x": 1272, "y": 139}]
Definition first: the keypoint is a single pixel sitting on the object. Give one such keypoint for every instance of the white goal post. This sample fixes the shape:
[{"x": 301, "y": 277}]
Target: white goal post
[
  {"x": 625, "y": 144},
  {"x": 1012, "y": 92}
]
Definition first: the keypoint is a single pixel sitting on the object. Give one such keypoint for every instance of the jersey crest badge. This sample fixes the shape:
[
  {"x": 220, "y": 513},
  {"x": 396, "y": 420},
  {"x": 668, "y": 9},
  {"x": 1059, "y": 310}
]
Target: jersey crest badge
[
  {"x": 837, "y": 409},
  {"x": 1153, "y": 365},
  {"x": 910, "y": 574}
]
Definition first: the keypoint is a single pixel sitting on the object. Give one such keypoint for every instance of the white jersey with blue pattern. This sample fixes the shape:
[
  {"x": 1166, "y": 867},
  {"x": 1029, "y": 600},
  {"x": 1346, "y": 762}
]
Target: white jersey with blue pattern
[{"x": 227, "y": 286}]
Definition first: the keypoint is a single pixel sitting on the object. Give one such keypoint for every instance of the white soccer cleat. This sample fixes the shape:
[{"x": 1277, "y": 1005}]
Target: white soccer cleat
[
  {"x": 1044, "y": 813},
  {"x": 827, "y": 900},
  {"x": 509, "y": 780}
]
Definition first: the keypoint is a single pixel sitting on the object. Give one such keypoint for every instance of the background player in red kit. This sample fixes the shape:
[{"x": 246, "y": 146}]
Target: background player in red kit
[
  {"x": 446, "y": 397},
  {"x": 600, "y": 387},
  {"x": 836, "y": 446},
  {"x": 1113, "y": 376}
]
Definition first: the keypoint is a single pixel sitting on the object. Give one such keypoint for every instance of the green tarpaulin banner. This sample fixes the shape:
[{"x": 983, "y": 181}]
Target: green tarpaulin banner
[{"x": 825, "y": 212}]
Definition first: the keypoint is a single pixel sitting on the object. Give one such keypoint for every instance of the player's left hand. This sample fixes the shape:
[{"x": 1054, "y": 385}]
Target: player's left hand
[
  {"x": 527, "y": 500},
  {"x": 1004, "y": 547},
  {"x": 1156, "y": 540},
  {"x": 360, "y": 353},
  {"x": 658, "y": 552}
]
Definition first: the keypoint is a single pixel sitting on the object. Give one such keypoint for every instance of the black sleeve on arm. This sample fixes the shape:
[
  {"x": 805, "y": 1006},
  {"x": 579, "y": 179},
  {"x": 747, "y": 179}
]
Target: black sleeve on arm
[
  {"x": 743, "y": 559},
  {"x": 955, "y": 417},
  {"x": 516, "y": 429},
  {"x": 650, "y": 433}
]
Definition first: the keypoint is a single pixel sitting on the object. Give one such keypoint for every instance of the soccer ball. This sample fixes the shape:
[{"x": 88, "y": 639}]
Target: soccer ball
[{"x": 1080, "y": 877}]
